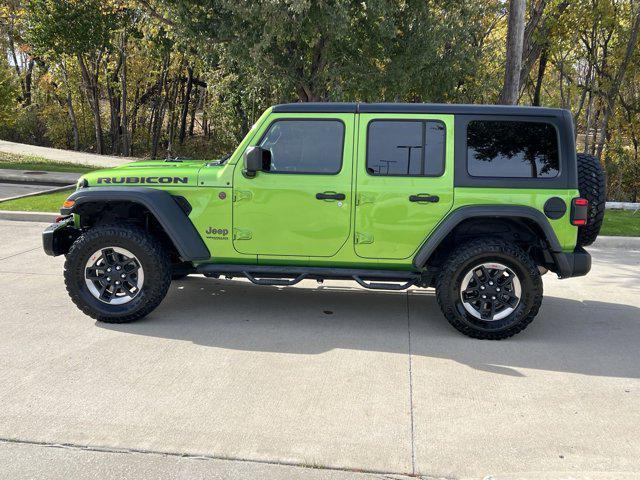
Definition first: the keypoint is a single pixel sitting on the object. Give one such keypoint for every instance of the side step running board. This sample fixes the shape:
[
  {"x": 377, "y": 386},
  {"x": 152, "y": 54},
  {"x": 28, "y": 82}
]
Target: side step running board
[
  {"x": 287, "y": 276},
  {"x": 383, "y": 286},
  {"x": 274, "y": 281}
]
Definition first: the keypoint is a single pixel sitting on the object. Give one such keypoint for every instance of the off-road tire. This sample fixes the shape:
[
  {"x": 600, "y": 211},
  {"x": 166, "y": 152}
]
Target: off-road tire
[
  {"x": 152, "y": 256},
  {"x": 592, "y": 186},
  {"x": 466, "y": 257}
]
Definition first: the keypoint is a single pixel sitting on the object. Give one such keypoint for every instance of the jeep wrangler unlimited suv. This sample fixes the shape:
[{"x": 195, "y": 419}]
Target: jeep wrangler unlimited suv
[{"x": 476, "y": 201}]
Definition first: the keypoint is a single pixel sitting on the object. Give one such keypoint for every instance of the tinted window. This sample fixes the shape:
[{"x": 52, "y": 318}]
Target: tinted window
[
  {"x": 512, "y": 149},
  {"x": 405, "y": 148},
  {"x": 305, "y": 146}
]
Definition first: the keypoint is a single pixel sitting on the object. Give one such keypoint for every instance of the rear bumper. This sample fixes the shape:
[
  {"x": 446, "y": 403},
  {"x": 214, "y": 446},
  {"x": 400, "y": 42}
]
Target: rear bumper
[
  {"x": 57, "y": 238},
  {"x": 574, "y": 264}
]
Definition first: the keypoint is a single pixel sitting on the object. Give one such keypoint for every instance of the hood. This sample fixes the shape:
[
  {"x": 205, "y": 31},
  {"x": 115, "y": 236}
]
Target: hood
[{"x": 152, "y": 173}]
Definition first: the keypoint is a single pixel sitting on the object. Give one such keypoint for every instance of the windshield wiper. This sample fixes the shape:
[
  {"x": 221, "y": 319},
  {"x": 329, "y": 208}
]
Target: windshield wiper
[{"x": 219, "y": 161}]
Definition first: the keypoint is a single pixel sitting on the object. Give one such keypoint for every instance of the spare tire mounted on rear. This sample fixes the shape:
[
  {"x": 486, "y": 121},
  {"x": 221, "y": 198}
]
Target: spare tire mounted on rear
[{"x": 592, "y": 186}]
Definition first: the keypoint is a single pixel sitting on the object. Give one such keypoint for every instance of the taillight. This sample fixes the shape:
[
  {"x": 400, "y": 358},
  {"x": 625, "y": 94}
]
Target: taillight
[{"x": 579, "y": 211}]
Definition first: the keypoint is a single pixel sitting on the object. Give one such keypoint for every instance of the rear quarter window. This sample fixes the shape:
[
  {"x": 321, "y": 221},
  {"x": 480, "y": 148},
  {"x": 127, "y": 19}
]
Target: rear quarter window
[{"x": 512, "y": 149}]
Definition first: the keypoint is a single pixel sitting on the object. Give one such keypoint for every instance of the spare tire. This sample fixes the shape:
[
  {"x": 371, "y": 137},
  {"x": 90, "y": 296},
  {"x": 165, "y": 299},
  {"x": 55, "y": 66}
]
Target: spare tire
[{"x": 592, "y": 186}]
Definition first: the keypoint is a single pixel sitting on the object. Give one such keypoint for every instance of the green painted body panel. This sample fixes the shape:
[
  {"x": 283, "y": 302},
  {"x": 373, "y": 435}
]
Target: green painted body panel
[
  {"x": 387, "y": 224},
  {"x": 131, "y": 174},
  {"x": 277, "y": 214},
  {"x": 276, "y": 219},
  {"x": 566, "y": 233}
]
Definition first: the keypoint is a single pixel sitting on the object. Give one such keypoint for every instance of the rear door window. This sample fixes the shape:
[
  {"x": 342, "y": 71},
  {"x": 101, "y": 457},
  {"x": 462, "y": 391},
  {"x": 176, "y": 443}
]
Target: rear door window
[{"x": 405, "y": 148}]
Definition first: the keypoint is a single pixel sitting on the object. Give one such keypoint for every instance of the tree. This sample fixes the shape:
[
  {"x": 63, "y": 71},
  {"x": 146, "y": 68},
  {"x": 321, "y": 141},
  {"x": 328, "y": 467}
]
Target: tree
[
  {"x": 513, "y": 63},
  {"x": 538, "y": 39},
  {"x": 612, "y": 93},
  {"x": 8, "y": 95},
  {"x": 81, "y": 29},
  {"x": 12, "y": 19}
]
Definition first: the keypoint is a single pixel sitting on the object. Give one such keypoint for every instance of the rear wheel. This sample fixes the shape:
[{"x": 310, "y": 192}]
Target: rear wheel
[
  {"x": 489, "y": 289},
  {"x": 117, "y": 274}
]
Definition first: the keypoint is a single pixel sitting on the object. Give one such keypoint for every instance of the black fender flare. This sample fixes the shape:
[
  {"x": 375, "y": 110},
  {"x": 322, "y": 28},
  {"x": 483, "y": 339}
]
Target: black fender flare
[
  {"x": 496, "y": 211},
  {"x": 162, "y": 206}
]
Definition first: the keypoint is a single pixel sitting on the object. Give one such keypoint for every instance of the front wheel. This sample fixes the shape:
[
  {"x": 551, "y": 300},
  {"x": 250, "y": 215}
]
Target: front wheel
[
  {"x": 489, "y": 289},
  {"x": 117, "y": 274}
]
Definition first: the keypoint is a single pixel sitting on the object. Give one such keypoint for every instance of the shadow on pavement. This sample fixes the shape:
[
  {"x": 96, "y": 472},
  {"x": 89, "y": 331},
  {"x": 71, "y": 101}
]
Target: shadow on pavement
[{"x": 590, "y": 337}]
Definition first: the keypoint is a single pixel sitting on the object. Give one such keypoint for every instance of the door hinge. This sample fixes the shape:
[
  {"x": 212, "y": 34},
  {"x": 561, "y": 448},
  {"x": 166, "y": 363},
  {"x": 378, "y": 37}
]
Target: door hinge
[
  {"x": 239, "y": 234},
  {"x": 241, "y": 195},
  {"x": 364, "y": 238},
  {"x": 363, "y": 198}
]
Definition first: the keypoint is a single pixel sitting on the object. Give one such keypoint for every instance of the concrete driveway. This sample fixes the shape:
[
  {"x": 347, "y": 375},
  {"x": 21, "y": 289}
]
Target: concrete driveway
[
  {"x": 332, "y": 377},
  {"x": 66, "y": 156}
]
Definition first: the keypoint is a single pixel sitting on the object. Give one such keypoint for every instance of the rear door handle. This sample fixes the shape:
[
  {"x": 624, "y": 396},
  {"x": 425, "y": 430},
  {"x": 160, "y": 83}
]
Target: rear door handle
[
  {"x": 424, "y": 198},
  {"x": 330, "y": 196}
]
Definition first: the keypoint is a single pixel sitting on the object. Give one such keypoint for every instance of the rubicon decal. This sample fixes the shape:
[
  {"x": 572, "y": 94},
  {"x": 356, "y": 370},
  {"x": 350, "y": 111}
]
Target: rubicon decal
[{"x": 152, "y": 180}]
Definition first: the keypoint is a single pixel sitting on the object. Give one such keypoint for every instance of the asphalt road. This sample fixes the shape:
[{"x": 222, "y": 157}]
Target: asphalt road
[
  {"x": 8, "y": 190},
  {"x": 328, "y": 377}
]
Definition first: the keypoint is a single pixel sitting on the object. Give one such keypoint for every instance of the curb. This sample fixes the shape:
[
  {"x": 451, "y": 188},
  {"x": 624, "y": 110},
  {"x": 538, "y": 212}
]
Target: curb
[
  {"x": 622, "y": 243},
  {"x": 622, "y": 206},
  {"x": 20, "y": 216}
]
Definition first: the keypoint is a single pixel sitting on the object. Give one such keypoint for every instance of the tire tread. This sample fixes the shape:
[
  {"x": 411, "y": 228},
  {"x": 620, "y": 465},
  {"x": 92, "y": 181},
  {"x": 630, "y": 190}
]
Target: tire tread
[
  {"x": 477, "y": 248},
  {"x": 157, "y": 279},
  {"x": 592, "y": 186}
]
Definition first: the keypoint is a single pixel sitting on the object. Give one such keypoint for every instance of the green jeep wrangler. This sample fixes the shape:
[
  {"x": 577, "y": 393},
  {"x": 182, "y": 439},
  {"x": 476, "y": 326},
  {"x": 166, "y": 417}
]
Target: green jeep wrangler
[{"x": 477, "y": 201}]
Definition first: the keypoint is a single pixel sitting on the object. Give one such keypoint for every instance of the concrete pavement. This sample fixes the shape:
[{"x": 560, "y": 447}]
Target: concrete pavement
[
  {"x": 330, "y": 376},
  {"x": 69, "y": 156},
  {"x": 39, "y": 462}
]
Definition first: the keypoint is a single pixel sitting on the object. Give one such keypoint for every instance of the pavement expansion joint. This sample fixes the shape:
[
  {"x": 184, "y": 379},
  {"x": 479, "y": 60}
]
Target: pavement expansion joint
[{"x": 115, "y": 450}]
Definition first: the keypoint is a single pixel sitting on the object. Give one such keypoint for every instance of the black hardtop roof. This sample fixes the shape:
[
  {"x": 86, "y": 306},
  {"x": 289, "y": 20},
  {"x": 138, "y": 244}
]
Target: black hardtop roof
[{"x": 353, "y": 107}]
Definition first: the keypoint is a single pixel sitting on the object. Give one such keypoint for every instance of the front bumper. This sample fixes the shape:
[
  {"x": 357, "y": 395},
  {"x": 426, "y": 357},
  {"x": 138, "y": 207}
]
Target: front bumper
[
  {"x": 58, "y": 237},
  {"x": 573, "y": 264}
]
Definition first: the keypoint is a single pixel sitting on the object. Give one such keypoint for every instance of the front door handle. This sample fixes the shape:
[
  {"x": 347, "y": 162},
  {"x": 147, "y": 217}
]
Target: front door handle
[
  {"x": 330, "y": 196},
  {"x": 424, "y": 198}
]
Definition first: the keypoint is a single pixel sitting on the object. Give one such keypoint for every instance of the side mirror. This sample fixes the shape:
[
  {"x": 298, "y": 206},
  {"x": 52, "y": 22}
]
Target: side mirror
[{"x": 256, "y": 159}]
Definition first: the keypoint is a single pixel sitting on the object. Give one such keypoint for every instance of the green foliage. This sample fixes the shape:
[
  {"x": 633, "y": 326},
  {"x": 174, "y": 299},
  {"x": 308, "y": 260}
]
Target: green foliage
[
  {"x": 54, "y": 120},
  {"x": 625, "y": 223},
  {"x": 343, "y": 50},
  {"x": 27, "y": 126},
  {"x": 8, "y": 95},
  {"x": 72, "y": 26}
]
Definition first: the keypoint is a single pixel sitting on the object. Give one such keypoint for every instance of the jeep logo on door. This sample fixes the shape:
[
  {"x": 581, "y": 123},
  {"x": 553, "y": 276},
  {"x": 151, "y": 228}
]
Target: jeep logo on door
[
  {"x": 214, "y": 233},
  {"x": 151, "y": 180}
]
